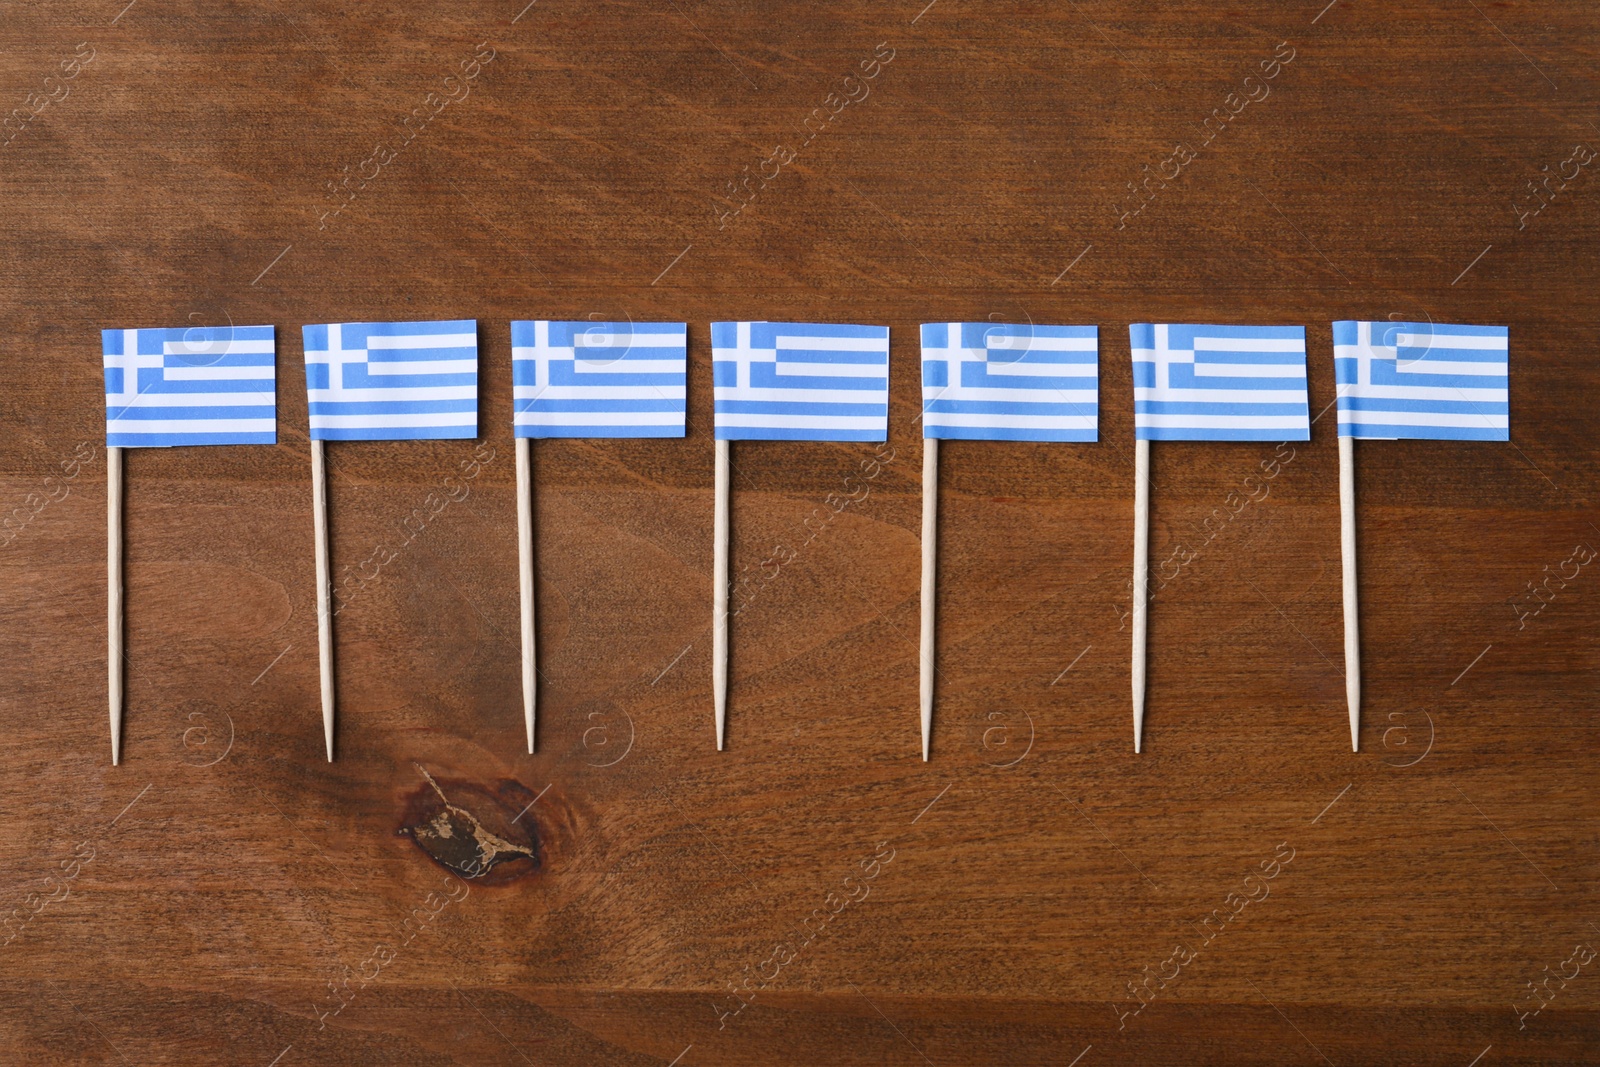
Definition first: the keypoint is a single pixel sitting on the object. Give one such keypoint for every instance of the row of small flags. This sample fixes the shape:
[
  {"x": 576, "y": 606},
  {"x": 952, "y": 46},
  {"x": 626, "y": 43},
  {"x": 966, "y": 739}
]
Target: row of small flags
[
  {"x": 794, "y": 381},
  {"x": 413, "y": 380}
]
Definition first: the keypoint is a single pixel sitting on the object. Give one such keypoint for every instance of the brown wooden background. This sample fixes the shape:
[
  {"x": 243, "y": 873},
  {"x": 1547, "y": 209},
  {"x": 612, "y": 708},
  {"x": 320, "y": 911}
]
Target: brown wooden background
[{"x": 231, "y": 889}]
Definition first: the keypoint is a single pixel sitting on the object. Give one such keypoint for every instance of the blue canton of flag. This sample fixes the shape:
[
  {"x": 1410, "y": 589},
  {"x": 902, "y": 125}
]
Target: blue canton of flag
[
  {"x": 987, "y": 381},
  {"x": 1422, "y": 380},
  {"x": 206, "y": 385},
  {"x": 599, "y": 379},
  {"x": 800, "y": 381},
  {"x": 1219, "y": 383},
  {"x": 390, "y": 381}
]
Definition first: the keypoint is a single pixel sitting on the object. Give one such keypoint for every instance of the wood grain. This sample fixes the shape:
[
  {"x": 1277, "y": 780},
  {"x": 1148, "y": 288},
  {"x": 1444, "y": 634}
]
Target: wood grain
[{"x": 226, "y": 896}]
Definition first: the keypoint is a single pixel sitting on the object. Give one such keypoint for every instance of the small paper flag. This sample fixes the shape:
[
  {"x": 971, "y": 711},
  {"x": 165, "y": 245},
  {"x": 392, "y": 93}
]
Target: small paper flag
[
  {"x": 388, "y": 381},
  {"x": 1219, "y": 383},
  {"x": 800, "y": 381},
  {"x": 204, "y": 385},
  {"x": 1422, "y": 380},
  {"x": 599, "y": 379},
  {"x": 1004, "y": 382}
]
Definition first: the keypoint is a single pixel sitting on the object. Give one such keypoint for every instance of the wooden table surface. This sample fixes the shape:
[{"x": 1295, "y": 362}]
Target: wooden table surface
[{"x": 1247, "y": 891}]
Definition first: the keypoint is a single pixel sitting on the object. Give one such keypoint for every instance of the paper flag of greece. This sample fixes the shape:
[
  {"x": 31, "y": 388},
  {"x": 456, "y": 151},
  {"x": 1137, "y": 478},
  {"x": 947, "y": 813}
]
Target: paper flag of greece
[
  {"x": 390, "y": 381},
  {"x": 1422, "y": 380},
  {"x": 1003, "y": 382},
  {"x": 206, "y": 385},
  {"x": 800, "y": 381},
  {"x": 599, "y": 379},
  {"x": 1219, "y": 383}
]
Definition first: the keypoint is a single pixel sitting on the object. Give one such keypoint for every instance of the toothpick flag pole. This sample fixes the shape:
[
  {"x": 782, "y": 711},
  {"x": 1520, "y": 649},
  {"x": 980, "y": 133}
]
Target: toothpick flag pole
[
  {"x": 1205, "y": 383},
  {"x": 319, "y": 522},
  {"x": 719, "y": 595},
  {"x": 985, "y": 381},
  {"x": 1141, "y": 580},
  {"x": 525, "y": 580},
  {"x": 930, "y": 534},
  {"x": 1416, "y": 381},
  {"x": 114, "y": 595},
  {"x": 586, "y": 379},
  {"x": 786, "y": 381},
  {"x": 1352, "y": 610},
  {"x": 380, "y": 381}
]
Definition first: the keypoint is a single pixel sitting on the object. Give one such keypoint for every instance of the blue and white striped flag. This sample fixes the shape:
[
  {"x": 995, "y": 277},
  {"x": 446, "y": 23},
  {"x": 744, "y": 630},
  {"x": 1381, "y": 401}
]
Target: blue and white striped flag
[
  {"x": 1422, "y": 380},
  {"x": 390, "y": 381},
  {"x": 599, "y": 379},
  {"x": 205, "y": 385},
  {"x": 800, "y": 381},
  {"x": 1219, "y": 383},
  {"x": 1003, "y": 382}
]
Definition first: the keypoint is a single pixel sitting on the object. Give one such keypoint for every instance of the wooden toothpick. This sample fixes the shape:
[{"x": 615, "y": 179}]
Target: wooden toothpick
[
  {"x": 319, "y": 520},
  {"x": 930, "y": 535},
  {"x": 1141, "y": 580},
  {"x": 114, "y": 596},
  {"x": 719, "y": 595},
  {"x": 525, "y": 581},
  {"x": 1352, "y": 606}
]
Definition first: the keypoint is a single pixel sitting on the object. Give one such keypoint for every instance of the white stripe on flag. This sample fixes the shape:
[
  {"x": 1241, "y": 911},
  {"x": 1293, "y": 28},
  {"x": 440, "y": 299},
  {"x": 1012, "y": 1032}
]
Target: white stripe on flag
[
  {"x": 1492, "y": 395},
  {"x": 1246, "y": 344},
  {"x": 1450, "y": 340},
  {"x": 1040, "y": 344},
  {"x": 217, "y": 374},
  {"x": 804, "y": 422},
  {"x": 599, "y": 418},
  {"x": 598, "y": 363},
  {"x": 1042, "y": 370},
  {"x": 191, "y": 400},
  {"x": 191, "y": 426},
  {"x": 1429, "y": 365},
  {"x": 1043, "y": 422},
  {"x": 1424, "y": 418},
  {"x": 829, "y": 344},
  {"x": 832, "y": 370},
  {"x": 1249, "y": 370},
  {"x": 1225, "y": 422},
  {"x": 218, "y": 347},
  {"x": 423, "y": 366},
  {"x": 1213, "y": 396},
  {"x": 599, "y": 392},
  {"x": 1014, "y": 396},
  {"x": 799, "y": 396},
  {"x": 370, "y": 396},
  {"x": 403, "y": 421},
  {"x": 420, "y": 340}
]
